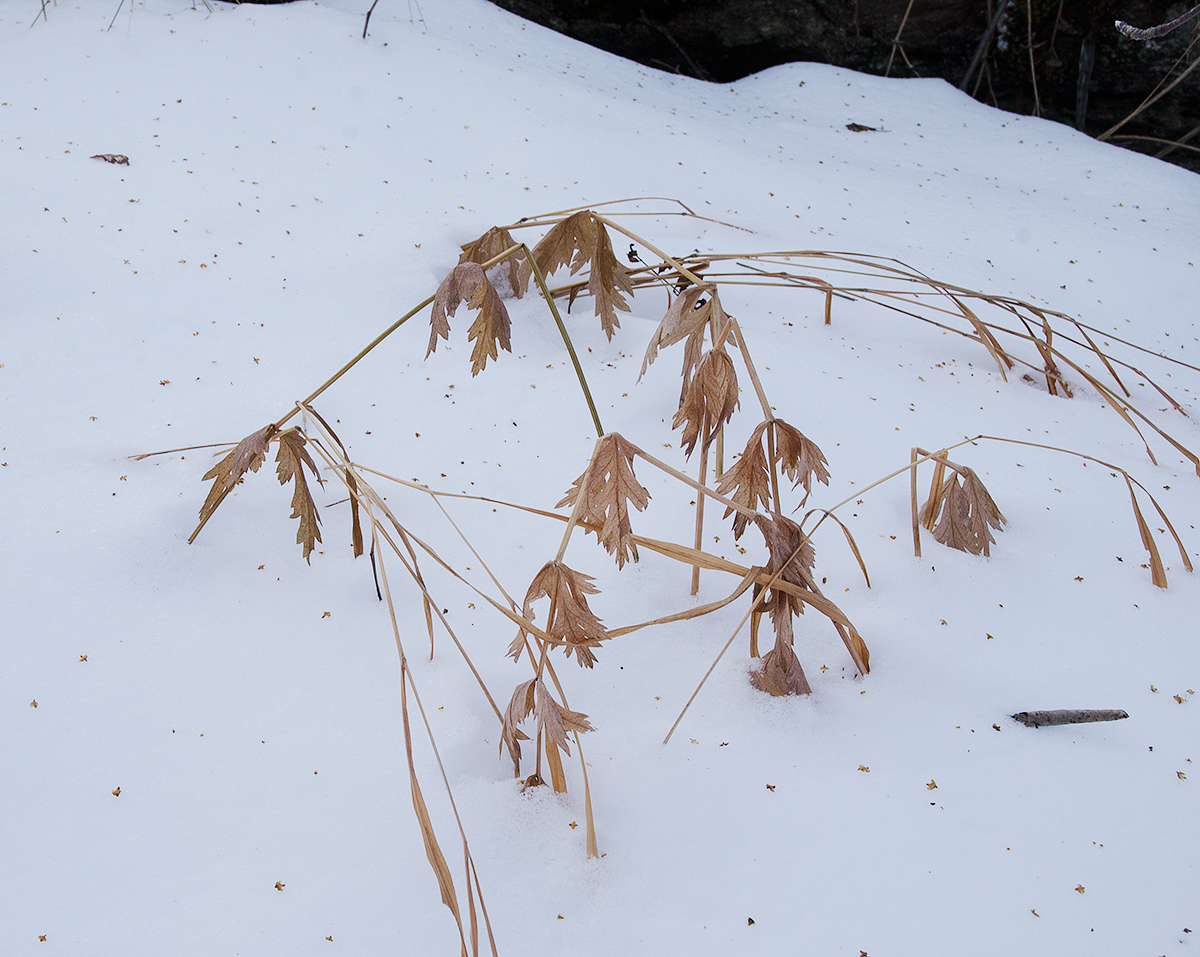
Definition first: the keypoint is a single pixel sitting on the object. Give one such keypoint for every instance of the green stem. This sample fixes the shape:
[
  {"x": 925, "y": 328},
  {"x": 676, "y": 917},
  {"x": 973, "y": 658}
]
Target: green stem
[{"x": 541, "y": 281}]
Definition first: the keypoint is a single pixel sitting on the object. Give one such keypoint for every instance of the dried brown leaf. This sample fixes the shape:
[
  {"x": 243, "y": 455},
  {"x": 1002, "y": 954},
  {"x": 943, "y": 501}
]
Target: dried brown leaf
[
  {"x": 686, "y": 318},
  {"x": 609, "y": 488},
  {"x": 747, "y": 482},
  {"x": 290, "y": 458},
  {"x": 581, "y": 240},
  {"x": 799, "y": 457},
  {"x": 248, "y": 456},
  {"x": 491, "y": 244},
  {"x": 467, "y": 283},
  {"x": 967, "y": 513},
  {"x": 517, "y": 711},
  {"x": 710, "y": 400},
  {"x": 781, "y": 673},
  {"x": 556, "y": 721},
  {"x": 572, "y": 622},
  {"x": 791, "y": 551}
]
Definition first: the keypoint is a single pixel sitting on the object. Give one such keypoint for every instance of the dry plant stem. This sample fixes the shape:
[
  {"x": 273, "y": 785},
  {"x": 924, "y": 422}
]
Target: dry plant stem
[
  {"x": 916, "y": 522},
  {"x": 688, "y": 480},
  {"x": 699, "y": 536},
  {"x": 186, "y": 448},
  {"x": 1037, "y": 102},
  {"x": 696, "y": 612},
  {"x": 1172, "y": 144},
  {"x": 896, "y": 39},
  {"x": 541, "y": 281},
  {"x": 579, "y": 499},
  {"x": 436, "y": 859},
  {"x": 367, "y": 495},
  {"x": 1156, "y": 94},
  {"x": 495, "y": 260},
  {"x": 758, "y": 600},
  {"x": 744, "y": 352}
]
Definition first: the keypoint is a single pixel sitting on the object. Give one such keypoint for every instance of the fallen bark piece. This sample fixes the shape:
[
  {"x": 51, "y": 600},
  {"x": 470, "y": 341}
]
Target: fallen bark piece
[
  {"x": 116, "y": 158},
  {"x": 1036, "y": 719}
]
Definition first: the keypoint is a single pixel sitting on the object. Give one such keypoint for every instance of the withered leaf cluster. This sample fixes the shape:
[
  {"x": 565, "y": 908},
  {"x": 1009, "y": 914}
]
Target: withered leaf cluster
[
  {"x": 248, "y": 456},
  {"x": 709, "y": 400},
  {"x": 553, "y": 719},
  {"x": 690, "y": 313},
  {"x": 491, "y": 244},
  {"x": 571, "y": 620},
  {"x": 792, "y": 558},
  {"x": 581, "y": 240},
  {"x": 748, "y": 481},
  {"x": 290, "y": 459},
  {"x": 968, "y": 513},
  {"x": 467, "y": 283},
  {"x": 609, "y": 487}
]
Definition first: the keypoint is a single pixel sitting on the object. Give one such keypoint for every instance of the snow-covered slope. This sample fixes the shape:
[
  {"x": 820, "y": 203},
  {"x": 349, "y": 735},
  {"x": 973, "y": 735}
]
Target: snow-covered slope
[{"x": 291, "y": 190}]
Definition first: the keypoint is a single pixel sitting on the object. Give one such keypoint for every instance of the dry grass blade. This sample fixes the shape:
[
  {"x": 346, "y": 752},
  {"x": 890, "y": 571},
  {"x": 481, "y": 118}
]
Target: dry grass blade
[
  {"x": 581, "y": 240},
  {"x": 467, "y": 283},
  {"x": 710, "y": 401},
  {"x": 495, "y": 242},
  {"x": 1158, "y": 574},
  {"x": 356, "y": 539},
  {"x": 573, "y": 624},
  {"x": 609, "y": 487},
  {"x": 849, "y": 539},
  {"x": 433, "y": 851},
  {"x": 248, "y": 456},
  {"x": 290, "y": 459},
  {"x": 747, "y": 482}
]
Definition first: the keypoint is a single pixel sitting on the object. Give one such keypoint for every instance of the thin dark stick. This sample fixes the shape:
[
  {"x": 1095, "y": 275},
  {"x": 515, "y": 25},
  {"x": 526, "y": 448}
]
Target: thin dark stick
[
  {"x": 896, "y": 41},
  {"x": 367, "y": 21}
]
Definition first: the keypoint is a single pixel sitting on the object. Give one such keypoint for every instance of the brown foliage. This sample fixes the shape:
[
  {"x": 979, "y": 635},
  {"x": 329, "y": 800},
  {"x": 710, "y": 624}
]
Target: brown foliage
[
  {"x": 495, "y": 241},
  {"x": 709, "y": 402},
  {"x": 609, "y": 487},
  {"x": 572, "y": 622},
  {"x": 686, "y": 318},
  {"x": 967, "y": 513},
  {"x": 248, "y": 456},
  {"x": 581, "y": 240},
  {"x": 792, "y": 557},
  {"x": 290, "y": 458},
  {"x": 467, "y": 283}
]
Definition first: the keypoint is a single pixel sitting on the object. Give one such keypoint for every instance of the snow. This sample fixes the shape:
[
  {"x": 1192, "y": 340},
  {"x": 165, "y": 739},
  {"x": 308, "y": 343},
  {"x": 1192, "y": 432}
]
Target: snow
[{"x": 292, "y": 189}]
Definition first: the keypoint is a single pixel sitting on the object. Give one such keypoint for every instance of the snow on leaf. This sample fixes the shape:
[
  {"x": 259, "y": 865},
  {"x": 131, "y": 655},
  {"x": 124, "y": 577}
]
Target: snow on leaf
[
  {"x": 467, "y": 283},
  {"x": 248, "y": 456},
  {"x": 291, "y": 457},
  {"x": 581, "y": 240},
  {"x": 495, "y": 241},
  {"x": 709, "y": 402},
  {"x": 572, "y": 621},
  {"x": 609, "y": 487}
]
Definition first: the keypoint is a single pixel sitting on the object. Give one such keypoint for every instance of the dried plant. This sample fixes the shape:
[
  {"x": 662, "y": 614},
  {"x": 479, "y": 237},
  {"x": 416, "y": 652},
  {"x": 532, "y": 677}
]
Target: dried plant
[
  {"x": 610, "y": 487},
  {"x": 571, "y": 622},
  {"x": 581, "y": 240},
  {"x": 958, "y": 510},
  {"x": 493, "y": 244},
  {"x": 468, "y": 283}
]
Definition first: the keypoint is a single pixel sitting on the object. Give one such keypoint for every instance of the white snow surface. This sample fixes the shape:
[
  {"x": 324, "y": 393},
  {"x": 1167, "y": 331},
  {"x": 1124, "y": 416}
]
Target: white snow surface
[{"x": 291, "y": 190}]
